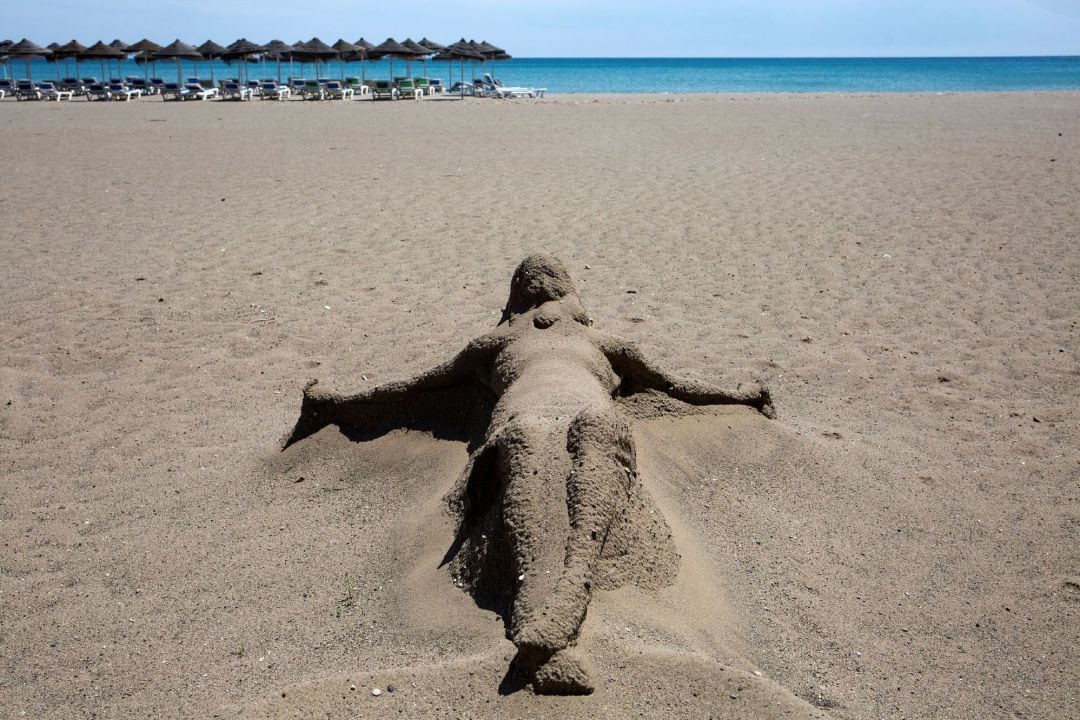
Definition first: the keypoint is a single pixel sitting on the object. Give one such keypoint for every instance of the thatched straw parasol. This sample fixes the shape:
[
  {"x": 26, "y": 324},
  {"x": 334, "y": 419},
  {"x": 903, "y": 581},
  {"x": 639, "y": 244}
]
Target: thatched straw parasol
[
  {"x": 391, "y": 48},
  {"x": 314, "y": 50},
  {"x": 26, "y": 50},
  {"x": 363, "y": 49},
  {"x": 70, "y": 50},
  {"x": 476, "y": 47},
  {"x": 178, "y": 51},
  {"x": 492, "y": 53},
  {"x": 101, "y": 52},
  {"x": 118, "y": 44},
  {"x": 4, "y": 45},
  {"x": 277, "y": 50},
  {"x": 461, "y": 51},
  {"x": 53, "y": 47},
  {"x": 143, "y": 46},
  {"x": 211, "y": 50},
  {"x": 144, "y": 51},
  {"x": 419, "y": 53},
  {"x": 431, "y": 45},
  {"x": 344, "y": 49},
  {"x": 243, "y": 49}
]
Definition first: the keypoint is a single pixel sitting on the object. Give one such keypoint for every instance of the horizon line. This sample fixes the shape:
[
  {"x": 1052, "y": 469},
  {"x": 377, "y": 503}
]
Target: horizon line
[
  {"x": 792, "y": 57},
  {"x": 748, "y": 57}
]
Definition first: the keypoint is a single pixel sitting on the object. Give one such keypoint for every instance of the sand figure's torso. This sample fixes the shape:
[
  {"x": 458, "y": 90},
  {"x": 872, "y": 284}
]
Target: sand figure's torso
[{"x": 549, "y": 371}]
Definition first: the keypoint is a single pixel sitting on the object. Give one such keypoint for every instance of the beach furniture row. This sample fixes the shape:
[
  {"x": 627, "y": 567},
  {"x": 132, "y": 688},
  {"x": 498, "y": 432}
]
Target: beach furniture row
[
  {"x": 229, "y": 88},
  {"x": 490, "y": 87},
  {"x": 194, "y": 88}
]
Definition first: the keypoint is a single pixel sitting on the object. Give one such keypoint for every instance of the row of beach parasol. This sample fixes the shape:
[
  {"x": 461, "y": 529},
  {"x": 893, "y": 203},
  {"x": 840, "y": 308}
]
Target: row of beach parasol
[{"x": 245, "y": 52}]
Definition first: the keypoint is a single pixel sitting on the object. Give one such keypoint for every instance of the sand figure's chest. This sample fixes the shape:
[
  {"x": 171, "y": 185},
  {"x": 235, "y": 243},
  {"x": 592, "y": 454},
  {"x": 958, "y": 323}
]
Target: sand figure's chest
[{"x": 553, "y": 365}]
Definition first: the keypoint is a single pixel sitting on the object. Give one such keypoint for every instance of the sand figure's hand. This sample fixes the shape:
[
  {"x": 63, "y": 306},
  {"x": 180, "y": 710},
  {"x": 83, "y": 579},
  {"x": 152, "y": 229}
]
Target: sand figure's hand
[
  {"x": 449, "y": 394},
  {"x": 638, "y": 374}
]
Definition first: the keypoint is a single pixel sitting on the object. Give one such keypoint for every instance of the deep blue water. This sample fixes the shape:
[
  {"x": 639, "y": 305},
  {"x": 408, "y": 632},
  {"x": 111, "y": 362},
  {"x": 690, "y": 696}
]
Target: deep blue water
[
  {"x": 797, "y": 75},
  {"x": 680, "y": 75}
]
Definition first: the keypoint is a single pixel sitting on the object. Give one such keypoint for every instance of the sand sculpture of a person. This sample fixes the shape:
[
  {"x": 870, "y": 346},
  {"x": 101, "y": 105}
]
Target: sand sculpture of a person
[{"x": 550, "y": 507}]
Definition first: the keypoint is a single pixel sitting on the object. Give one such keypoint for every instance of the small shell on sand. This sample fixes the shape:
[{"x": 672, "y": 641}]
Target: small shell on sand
[{"x": 376, "y": 692}]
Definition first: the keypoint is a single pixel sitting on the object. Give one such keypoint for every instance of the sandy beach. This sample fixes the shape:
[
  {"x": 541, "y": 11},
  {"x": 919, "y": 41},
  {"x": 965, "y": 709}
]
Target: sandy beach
[{"x": 901, "y": 271}]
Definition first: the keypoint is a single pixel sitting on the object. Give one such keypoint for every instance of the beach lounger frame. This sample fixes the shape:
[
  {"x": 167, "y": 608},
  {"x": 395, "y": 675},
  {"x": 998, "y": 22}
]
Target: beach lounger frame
[
  {"x": 26, "y": 90},
  {"x": 358, "y": 88},
  {"x": 407, "y": 89},
  {"x": 74, "y": 85},
  {"x": 142, "y": 86},
  {"x": 51, "y": 91},
  {"x": 334, "y": 90},
  {"x": 313, "y": 90},
  {"x": 195, "y": 91},
  {"x": 119, "y": 91},
  {"x": 97, "y": 91},
  {"x": 273, "y": 91},
  {"x": 235, "y": 91},
  {"x": 174, "y": 89},
  {"x": 384, "y": 90}
]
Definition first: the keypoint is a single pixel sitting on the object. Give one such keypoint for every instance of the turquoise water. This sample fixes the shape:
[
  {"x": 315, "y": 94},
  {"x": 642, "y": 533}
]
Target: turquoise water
[{"x": 674, "y": 75}]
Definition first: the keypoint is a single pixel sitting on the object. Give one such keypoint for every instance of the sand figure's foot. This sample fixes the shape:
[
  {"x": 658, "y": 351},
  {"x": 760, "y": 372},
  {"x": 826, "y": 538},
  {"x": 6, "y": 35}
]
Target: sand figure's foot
[
  {"x": 556, "y": 623},
  {"x": 561, "y": 673}
]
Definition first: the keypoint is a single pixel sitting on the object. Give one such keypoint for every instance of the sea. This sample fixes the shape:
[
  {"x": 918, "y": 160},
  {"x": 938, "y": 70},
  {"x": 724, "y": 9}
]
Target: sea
[{"x": 650, "y": 75}]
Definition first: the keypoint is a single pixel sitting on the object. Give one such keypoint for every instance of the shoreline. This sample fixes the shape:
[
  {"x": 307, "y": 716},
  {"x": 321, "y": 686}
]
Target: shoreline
[{"x": 556, "y": 96}]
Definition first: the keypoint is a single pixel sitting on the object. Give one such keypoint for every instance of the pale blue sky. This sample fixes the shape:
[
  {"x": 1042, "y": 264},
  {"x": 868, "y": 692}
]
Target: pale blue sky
[{"x": 607, "y": 28}]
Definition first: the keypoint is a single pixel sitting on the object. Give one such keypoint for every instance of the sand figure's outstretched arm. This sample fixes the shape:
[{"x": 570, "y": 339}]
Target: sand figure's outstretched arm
[
  {"x": 449, "y": 391},
  {"x": 638, "y": 374}
]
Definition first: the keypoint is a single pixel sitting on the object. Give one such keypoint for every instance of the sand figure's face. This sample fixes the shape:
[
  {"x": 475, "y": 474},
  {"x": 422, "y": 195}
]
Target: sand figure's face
[
  {"x": 537, "y": 280},
  {"x": 541, "y": 279}
]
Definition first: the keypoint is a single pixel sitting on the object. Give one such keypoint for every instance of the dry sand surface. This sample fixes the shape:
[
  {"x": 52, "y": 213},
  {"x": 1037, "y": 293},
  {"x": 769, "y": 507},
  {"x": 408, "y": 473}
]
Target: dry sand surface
[{"x": 903, "y": 272}]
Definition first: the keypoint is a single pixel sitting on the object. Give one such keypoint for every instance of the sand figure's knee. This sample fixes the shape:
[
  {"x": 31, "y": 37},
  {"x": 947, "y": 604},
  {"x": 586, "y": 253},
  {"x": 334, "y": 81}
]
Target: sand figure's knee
[
  {"x": 604, "y": 469},
  {"x": 600, "y": 433}
]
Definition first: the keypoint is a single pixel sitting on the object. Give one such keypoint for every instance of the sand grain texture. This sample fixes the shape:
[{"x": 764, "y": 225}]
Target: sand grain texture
[{"x": 902, "y": 271}]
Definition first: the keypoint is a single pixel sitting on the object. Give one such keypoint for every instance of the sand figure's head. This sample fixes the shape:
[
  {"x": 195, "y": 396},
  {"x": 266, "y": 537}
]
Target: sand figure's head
[{"x": 541, "y": 279}]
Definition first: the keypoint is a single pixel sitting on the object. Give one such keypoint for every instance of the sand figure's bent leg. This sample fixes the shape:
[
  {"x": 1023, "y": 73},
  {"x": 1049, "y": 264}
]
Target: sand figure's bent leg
[
  {"x": 602, "y": 451},
  {"x": 515, "y": 489},
  {"x": 533, "y": 464}
]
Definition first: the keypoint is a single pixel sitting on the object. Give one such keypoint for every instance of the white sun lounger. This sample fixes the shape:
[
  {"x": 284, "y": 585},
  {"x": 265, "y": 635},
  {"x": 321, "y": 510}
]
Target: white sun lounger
[
  {"x": 492, "y": 88},
  {"x": 273, "y": 91},
  {"x": 119, "y": 91},
  {"x": 49, "y": 91},
  {"x": 235, "y": 91},
  {"x": 198, "y": 92}
]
